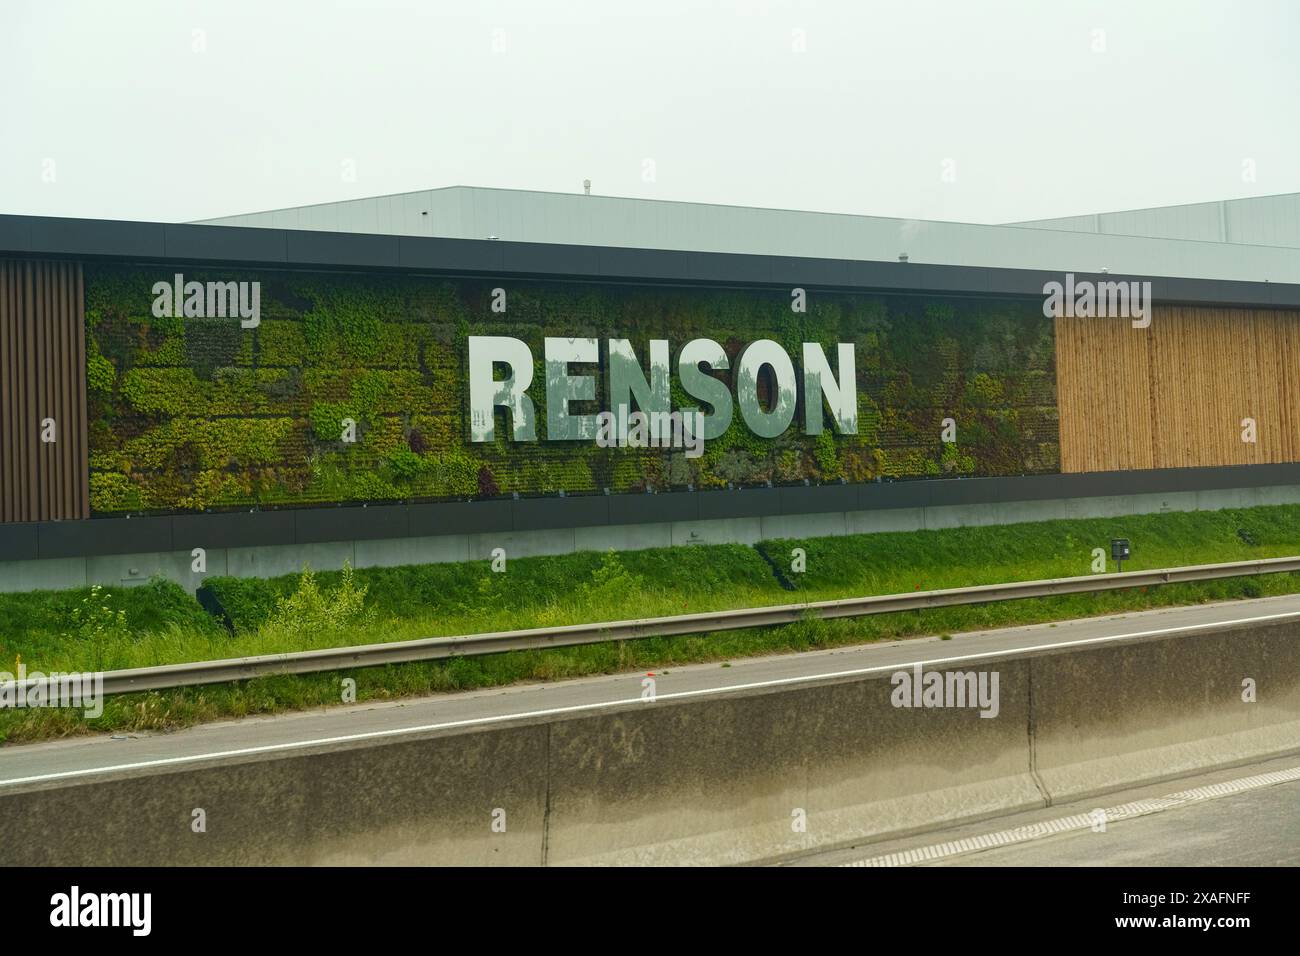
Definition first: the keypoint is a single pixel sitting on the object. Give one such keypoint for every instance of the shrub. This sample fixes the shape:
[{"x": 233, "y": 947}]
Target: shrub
[
  {"x": 406, "y": 464},
  {"x": 97, "y": 622},
  {"x": 100, "y": 373},
  {"x": 309, "y": 612}
]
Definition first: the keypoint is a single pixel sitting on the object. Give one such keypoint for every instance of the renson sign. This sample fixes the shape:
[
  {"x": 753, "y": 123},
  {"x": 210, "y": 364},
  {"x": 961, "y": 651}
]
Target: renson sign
[{"x": 627, "y": 382}]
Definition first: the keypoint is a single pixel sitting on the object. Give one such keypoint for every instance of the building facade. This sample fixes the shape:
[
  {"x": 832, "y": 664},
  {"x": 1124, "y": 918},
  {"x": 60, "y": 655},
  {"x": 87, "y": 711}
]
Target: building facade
[{"x": 271, "y": 396}]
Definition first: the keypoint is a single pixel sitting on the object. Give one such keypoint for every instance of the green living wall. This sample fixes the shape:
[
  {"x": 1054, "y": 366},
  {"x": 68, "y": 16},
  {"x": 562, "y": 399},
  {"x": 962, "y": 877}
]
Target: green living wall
[{"x": 194, "y": 414}]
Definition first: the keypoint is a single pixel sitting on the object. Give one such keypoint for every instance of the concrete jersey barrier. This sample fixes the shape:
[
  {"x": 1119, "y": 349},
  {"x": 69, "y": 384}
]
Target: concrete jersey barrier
[{"x": 737, "y": 777}]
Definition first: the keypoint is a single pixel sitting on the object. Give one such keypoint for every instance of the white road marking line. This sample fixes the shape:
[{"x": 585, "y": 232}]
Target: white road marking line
[
  {"x": 1078, "y": 821},
  {"x": 597, "y": 705}
]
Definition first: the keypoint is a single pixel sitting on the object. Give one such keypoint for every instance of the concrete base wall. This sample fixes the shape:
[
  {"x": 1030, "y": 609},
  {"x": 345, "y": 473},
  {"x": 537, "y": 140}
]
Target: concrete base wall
[
  {"x": 118, "y": 570},
  {"x": 710, "y": 779},
  {"x": 1152, "y": 710}
]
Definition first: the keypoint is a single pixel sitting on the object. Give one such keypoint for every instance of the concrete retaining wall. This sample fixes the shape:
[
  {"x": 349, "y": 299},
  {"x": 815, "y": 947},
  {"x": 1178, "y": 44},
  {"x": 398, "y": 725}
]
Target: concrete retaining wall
[
  {"x": 118, "y": 570},
  {"x": 1164, "y": 708},
  {"x": 710, "y": 779}
]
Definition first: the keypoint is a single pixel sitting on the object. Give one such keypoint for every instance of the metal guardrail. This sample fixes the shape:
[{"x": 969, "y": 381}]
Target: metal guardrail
[{"x": 397, "y": 652}]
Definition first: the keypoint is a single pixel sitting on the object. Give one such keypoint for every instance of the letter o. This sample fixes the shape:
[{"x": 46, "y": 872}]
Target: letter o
[{"x": 763, "y": 423}]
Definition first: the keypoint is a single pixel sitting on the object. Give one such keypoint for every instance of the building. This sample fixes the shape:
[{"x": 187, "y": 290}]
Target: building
[
  {"x": 1245, "y": 239},
  {"x": 197, "y": 399}
]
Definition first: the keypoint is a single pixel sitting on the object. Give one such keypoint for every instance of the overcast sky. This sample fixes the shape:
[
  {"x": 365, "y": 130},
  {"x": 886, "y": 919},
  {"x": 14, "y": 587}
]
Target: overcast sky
[{"x": 964, "y": 110}]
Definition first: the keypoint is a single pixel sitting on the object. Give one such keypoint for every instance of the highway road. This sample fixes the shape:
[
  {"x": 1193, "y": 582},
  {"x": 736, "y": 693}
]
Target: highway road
[
  {"x": 88, "y": 757},
  {"x": 1244, "y": 816}
]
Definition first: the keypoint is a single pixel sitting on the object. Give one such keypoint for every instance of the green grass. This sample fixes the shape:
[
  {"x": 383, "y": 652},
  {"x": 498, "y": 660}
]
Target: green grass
[
  {"x": 531, "y": 592},
  {"x": 164, "y": 625},
  {"x": 956, "y": 557},
  {"x": 35, "y": 625}
]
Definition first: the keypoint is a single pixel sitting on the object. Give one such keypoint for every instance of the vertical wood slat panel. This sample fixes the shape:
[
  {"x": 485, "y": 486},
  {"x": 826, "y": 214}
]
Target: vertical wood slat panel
[
  {"x": 44, "y": 406},
  {"x": 13, "y": 437},
  {"x": 8, "y": 373},
  {"x": 80, "y": 396},
  {"x": 1174, "y": 395},
  {"x": 42, "y": 375},
  {"x": 29, "y": 380},
  {"x": 67, "y": 460},
  {"x": 6, "y": 376},
  {"x": 59, "y": 327}
]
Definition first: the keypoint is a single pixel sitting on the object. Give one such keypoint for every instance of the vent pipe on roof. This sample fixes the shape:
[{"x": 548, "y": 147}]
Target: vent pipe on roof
[{"x": 586, "y": 186}]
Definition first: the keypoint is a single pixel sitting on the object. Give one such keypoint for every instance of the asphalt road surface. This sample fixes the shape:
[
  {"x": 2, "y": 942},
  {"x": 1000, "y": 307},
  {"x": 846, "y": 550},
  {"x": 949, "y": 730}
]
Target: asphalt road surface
[
  {"x": 88, "y": 757},
  {"x": 1236, "y": 817}
]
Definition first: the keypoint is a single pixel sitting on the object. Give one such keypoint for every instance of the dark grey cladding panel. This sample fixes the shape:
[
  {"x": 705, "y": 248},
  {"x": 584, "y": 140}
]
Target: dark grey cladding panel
[
  {"x": 351, "y": 523},
  {"x": 451, "y": 255},
  {"x": 1049, "y": 487},
  {"x": 16, "y": 233},
  {"x": 548, "y": 259},
  {"x": 647, "y": 509},
  {"x": 460, "y": 517},
  {"x": 1156, "y": 480},
  {"x": 818, "y": 498},
  {"x": 238, "y": 529},
  {"x": 1102, "y": 483},
  {"x": 1250, "y": 476},
  {"x": 1244, "y": 293},
  {"x": 740, "y": 503},
  {"x": 741, "y": 270},
  {"x": 1257, "y": 476},
  {"x": 794, "y": 271},
  {"x": 885, "y": 276},
  {"x": 97, "y": 237},
  {"x": 678, "y": 266},
  {"x": 226, "y": 243},
  {"x": 1192, "y": 479},
  {"x": 539, "y": 514},
  {"x": 1082, "y": 275},
  {"x": 1284, "y": 294},
  {"x": 18, "y": 542},
  {"x": 1228, "y": 476},
  {"x": 1021, "y": 282},
  {"x": 954, "y": 279},
  {"x": 1032, "y": 488},
  {"x": 1226, "y": 292},
  {"x": 74, "y": 539},
  {"x": 966, "y": 491},
  {"x": 1171, "y": 290},
  {"x": 618, "y": 263},
  {"x": 343, "y": 249},
  {"x": 893, "y": 494}
]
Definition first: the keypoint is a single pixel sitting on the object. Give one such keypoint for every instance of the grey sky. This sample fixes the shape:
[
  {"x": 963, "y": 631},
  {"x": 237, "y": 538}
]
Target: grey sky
[{"x": 141, "y": 125}]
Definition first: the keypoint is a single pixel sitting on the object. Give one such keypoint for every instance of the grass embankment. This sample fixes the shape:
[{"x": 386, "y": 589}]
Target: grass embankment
[{"x": 70, "y": 630}]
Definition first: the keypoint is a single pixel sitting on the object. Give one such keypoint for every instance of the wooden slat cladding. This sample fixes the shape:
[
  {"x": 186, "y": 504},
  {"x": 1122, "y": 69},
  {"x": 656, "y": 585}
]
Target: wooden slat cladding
[
  {"x": 1174, "y": 395},
  {"x": 42, "y": 376}
]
